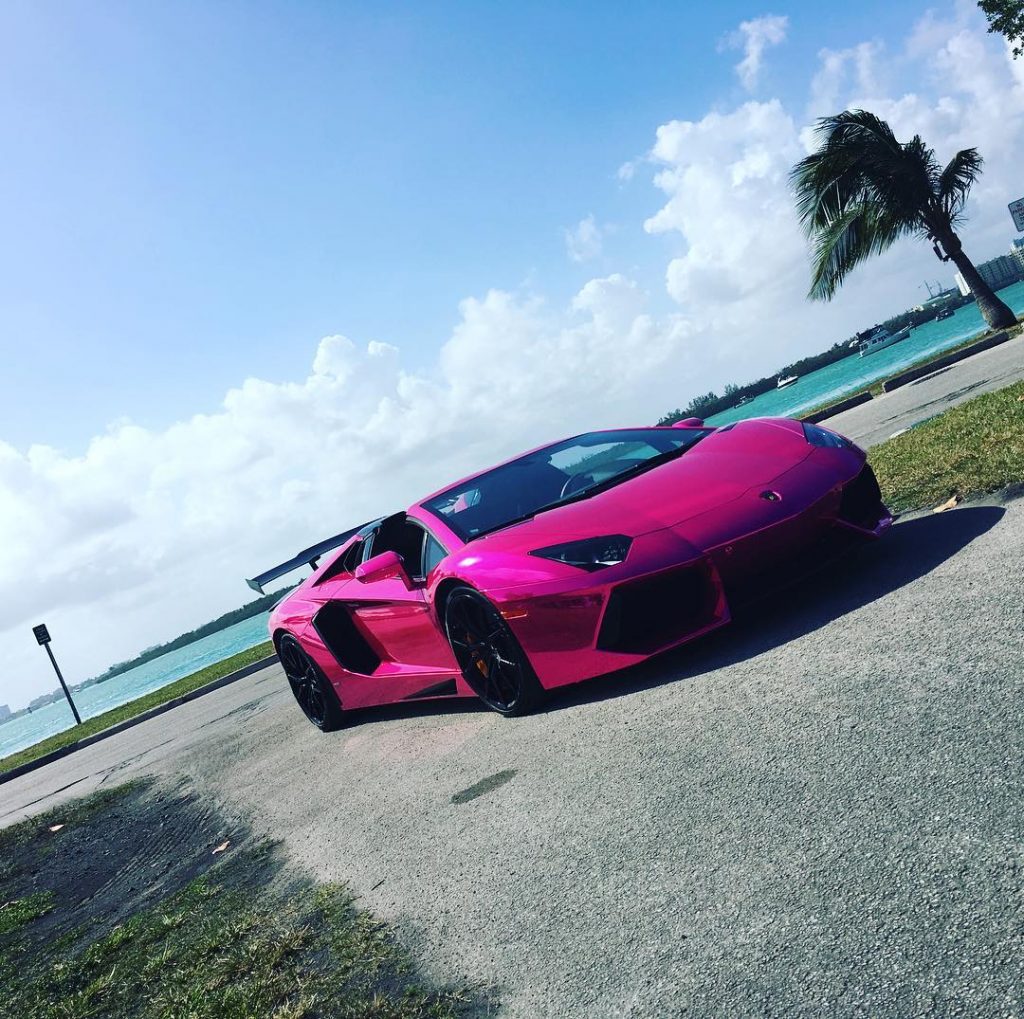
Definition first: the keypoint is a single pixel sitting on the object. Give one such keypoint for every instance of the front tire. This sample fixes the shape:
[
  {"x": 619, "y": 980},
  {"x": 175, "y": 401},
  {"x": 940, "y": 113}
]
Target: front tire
[
  {"x": 489, "y": 656},
  {"x": 312, "y": 689}
]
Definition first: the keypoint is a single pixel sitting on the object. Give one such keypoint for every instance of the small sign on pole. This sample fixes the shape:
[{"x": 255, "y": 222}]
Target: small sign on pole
[
  {"x": 42, "y": 635},
  {"x": 1017, "y": 211}
]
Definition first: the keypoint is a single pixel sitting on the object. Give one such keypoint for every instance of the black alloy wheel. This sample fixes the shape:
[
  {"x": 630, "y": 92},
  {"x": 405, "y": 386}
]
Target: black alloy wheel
[
  {"x": 489, "y": 656},
  {"x": 311, "y": 688}
]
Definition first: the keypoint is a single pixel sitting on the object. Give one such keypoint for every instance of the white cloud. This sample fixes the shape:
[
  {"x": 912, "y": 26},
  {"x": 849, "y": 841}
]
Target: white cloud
[
  {"x": 725, "y": 178},
  {"x": 147, "y": 533},
  {"x": 584, "y": 241},
  {"x": 754, "y": 37},
  {"x": 626, "y": 171},
  {"x": 858, "y": 66}
]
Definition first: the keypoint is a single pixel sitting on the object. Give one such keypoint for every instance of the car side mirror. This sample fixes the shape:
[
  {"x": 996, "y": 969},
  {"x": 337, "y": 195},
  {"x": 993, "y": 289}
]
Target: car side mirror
[{"x": 380, "y": 567}]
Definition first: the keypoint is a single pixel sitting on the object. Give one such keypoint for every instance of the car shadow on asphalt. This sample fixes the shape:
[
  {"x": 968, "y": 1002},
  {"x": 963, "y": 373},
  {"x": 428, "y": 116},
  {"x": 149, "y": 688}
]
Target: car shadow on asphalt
[
  {"x": 911, "y": 550},
  {"x": 413, "y": 709}
]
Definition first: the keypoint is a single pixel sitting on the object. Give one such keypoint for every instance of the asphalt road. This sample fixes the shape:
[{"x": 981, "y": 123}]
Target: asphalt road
[
  {"x": 817, "y": 812},
  {"x": 877, "y": 420}
]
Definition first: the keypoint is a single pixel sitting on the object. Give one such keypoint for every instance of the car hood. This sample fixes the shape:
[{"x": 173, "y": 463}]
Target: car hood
[{"x": 718, "y": 470}]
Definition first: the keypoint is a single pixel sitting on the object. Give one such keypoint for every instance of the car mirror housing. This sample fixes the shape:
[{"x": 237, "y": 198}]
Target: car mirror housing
[{"x": 380, "y": 567}]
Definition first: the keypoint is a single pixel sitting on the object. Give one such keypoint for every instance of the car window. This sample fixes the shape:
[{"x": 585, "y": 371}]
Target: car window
[
  {"x": 607, "y": 459},
  {"x": 459, "y": 501},
  {"x": 419, "y": 550},
  {"x": 357, "y": 552},
  {"x": 545, "y": 477},
  {"x": 367, "y": 547},
  {"x": 569, "y": 459},
  {"x": 433, "y": 553}
]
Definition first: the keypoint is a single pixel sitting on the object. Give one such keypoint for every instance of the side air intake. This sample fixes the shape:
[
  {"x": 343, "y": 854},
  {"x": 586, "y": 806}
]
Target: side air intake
[{"x": 344, "y": 640}]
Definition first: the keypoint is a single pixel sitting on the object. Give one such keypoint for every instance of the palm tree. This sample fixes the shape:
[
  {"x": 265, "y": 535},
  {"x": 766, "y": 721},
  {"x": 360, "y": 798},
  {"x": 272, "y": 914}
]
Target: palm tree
[{"x": 862, "y": 190}]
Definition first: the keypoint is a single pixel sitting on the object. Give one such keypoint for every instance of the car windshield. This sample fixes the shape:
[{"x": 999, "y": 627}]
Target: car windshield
[{"x": 561, "y": 473}]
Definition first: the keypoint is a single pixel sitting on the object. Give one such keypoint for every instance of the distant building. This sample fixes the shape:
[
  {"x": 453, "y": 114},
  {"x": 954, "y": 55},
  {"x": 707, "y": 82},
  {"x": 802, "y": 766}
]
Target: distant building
[
  {"x": 1017, "y": 251},
  {"x": 997, "y": 272},
  {"x": 939, "y": 301},
  {"x": 5, "y": 712}
]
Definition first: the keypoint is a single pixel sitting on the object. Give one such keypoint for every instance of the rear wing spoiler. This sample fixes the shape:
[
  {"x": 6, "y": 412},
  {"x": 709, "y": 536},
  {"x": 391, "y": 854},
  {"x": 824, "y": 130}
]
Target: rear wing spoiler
[{"x": 307, "y": 557}]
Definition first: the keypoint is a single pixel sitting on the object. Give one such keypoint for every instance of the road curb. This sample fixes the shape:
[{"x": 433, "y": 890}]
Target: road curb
[
  {"x": 837, "y": 408},
  {"x": 201, "y": 691}
]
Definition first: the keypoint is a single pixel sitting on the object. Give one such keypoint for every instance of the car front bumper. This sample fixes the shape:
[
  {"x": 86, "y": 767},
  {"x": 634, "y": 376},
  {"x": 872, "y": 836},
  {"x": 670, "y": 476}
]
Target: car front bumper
[{"x": 671, "y": 590}]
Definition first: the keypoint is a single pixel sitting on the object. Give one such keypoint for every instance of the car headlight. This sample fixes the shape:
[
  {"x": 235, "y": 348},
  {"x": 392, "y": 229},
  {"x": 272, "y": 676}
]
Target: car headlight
[
  {"x": 590, "y": 553},
  {"x": 823, "y": 437}
]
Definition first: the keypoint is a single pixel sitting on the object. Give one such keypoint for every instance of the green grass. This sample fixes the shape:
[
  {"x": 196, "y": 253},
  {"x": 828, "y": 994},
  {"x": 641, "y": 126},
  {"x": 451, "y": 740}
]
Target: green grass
[
  {"x": 210, "y": 952},
  {"x": 238, "y": 936},
  {"x": 151, "y": 700},
  {"x": 970, "y": 450},
  {"x": 19, "y": 912}
]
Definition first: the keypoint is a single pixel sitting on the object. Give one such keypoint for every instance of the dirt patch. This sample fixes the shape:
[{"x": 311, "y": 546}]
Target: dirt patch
[
  {"x": 144, "y": 902},
  {"x": 113, "y": 854}
]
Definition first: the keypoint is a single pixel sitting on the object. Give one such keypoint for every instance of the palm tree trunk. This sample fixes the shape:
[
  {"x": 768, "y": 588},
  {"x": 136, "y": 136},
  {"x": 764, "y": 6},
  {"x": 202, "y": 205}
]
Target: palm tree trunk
[{"x": 996, "y": 312}]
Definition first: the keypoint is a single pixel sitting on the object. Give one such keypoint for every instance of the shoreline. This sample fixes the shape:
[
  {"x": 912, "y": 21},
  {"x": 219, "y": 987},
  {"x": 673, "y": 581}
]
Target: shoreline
[
  {"x": 172, "y": 694},
  {"x": 912, "y": 373}
]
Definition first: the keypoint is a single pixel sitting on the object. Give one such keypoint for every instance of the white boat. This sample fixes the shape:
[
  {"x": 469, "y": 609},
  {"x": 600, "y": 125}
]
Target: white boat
[
  {"x": 879, "y": 338},
  {"x": 787, "y": 381}
]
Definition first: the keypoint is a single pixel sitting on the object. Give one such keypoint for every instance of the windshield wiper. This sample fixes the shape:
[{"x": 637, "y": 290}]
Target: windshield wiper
[
  {"x": 596, "y": 488},
  {"x": 514, "y": 520}
]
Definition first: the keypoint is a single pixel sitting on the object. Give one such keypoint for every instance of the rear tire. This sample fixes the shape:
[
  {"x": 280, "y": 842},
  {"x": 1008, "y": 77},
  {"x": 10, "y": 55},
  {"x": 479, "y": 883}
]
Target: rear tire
[
  {"x": 312, "y": 689},
  {"x": 489, "y": 656}
]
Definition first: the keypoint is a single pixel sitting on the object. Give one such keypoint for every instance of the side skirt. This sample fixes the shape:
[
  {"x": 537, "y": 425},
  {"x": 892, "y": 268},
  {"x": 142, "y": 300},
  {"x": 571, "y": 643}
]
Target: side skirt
[{"x": 446, "y": 688}]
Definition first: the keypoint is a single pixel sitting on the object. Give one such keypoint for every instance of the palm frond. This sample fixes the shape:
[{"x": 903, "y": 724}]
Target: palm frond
[
  {"x": 862, "y": 189},
  {"x": 859, "y": 158},
  {"x": 864, "y": 229},
  {"x": 857, "y": 128},
  {"x": 921, "y": 169},
  {"x": 956, "y": 180}
]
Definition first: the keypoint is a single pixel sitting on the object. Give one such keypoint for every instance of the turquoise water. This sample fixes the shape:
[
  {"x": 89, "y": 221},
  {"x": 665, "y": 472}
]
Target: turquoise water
[
  {"x": 854, "y": 373},
  {"x": 18, "y": 733}
]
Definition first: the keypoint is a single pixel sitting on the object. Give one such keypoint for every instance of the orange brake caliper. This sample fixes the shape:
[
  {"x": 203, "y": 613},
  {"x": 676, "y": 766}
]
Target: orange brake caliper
[{"x": 480, "y": 663}]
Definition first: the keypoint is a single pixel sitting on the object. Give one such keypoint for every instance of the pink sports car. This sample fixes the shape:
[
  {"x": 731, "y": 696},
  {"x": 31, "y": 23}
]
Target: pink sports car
[{"x": 570, "y": 561}]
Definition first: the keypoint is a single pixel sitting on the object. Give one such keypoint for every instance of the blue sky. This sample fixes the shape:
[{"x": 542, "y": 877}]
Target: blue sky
[
  {"x": 197, "y": 192},
  {"x": 272, "y": 269}
]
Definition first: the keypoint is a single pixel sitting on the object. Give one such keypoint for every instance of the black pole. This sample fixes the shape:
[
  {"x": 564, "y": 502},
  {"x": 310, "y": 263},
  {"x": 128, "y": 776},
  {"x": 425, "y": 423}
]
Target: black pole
[{"x": 64, "y": 686}]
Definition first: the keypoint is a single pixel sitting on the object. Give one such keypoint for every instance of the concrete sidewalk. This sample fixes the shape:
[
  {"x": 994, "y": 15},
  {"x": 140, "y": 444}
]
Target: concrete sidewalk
[{"x": 878, "y": 419}]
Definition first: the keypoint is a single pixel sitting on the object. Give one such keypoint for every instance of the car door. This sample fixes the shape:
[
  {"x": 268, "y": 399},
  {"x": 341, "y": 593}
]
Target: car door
[{"x": 410, "y": 655}]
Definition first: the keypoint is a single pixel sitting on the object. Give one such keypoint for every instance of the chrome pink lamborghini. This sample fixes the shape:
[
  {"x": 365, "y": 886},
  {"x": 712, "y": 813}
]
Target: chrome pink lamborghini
[{"x": 570, "y": 561}]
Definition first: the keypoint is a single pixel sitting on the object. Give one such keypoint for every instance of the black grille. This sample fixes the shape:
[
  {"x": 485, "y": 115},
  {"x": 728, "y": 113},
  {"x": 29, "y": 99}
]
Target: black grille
[
  {"x": 644, "y": 615},
  {"x": 343, "y": 639},
  {"x": 861, "y": 503}
]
